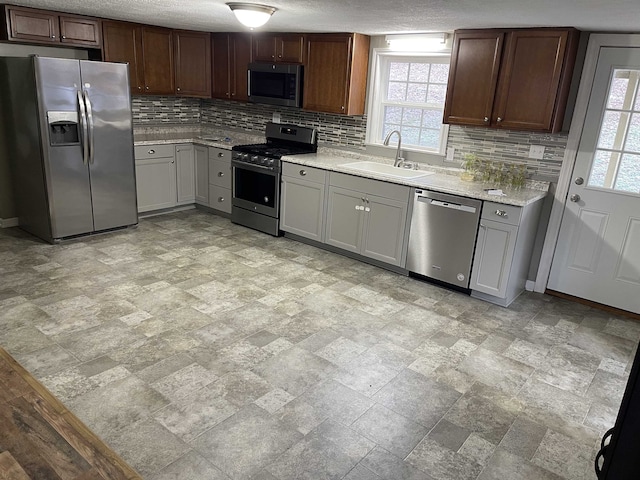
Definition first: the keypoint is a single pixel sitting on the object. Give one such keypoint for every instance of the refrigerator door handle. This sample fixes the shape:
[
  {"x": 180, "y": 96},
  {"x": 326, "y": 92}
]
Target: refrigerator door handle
[
  {"x": 84, "y": 131},
  {"x": 87, "y": 102}
]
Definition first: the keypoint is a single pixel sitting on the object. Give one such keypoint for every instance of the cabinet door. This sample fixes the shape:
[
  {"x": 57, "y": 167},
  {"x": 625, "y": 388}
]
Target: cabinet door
[
  {"x": 290, "y": 48},
  {"x": 156, "y": 183},
  {"x": 123, "y": 44},
  {"x": 344, "y": 219},
  {"x": 302, "y": 208},
  {"x": 75, "y": 30},
  {"x": 264, "y": 48},
  {"x": 157, "y": 52},
  {"x": 529, "y": 80},
  {"x": 185, "y": 174},
  {"x": 221, "y": 64},
  {"x": 202, "y": 175},
  {"x": 473, "y": 76},
  {"x": 494, "y": 255},
  {"x": 326, "y": 76},
  {"x": 30, "y": 25},
  {"x": 193, "y": 63},
  {"x": 384, "y": 229},
  {"x": 241, "y": 57}
]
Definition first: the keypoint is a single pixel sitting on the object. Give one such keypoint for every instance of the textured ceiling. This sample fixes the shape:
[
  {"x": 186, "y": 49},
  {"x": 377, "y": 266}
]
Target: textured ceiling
[{"x": 366, "y": 16}]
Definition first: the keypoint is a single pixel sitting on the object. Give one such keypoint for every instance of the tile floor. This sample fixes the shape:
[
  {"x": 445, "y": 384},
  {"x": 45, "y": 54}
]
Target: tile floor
[{"x": 199, "y": 349}]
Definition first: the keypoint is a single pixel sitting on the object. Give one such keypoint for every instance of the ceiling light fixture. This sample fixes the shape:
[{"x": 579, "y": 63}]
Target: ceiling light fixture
[
  {"x": 417, "y": 42},
  {"x": 251, "y": 15}
]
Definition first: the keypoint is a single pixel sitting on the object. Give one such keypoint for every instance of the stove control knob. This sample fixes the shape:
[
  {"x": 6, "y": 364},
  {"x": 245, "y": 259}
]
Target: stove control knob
[
  {"x": 270, "y": 162},
  {"x": 245, "y": 156},
  {"x": 255, "y": 159}
]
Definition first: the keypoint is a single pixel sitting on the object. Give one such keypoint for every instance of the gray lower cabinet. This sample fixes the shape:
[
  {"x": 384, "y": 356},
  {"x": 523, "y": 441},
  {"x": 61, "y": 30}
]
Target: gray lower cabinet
[
  {"x": 185, "y": 174},
  {"x": 367, "y": 217},
  {"x": 202, "y": 175},
  {"x": 503, "y": 251},
  {"x": 155, "y": 177},
  {"x": 302, "y": 201},
  {"x": 220, "y": 179}
]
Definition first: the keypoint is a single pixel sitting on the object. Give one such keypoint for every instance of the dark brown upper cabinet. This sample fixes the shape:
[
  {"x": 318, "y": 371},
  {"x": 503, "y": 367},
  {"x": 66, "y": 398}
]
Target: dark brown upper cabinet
[
  {"x": 28, "y": 25},
  {"x": 192, "y": 54},
  {"x": 335, "y": 78},
  {"x": 511, "y": 79},
  {"x": 147, "y": 50},
  {"x": 286, "y": 48},
  {"x": 231, "y": 53}
]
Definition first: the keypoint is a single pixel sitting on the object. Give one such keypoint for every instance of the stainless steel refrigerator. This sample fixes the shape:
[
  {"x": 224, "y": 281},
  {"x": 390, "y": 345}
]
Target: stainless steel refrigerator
[{"x": 70, "y": 143}]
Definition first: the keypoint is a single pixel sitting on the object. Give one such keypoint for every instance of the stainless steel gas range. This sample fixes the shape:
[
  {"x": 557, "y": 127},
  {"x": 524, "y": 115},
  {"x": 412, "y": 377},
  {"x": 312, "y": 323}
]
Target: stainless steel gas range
[{"x": 256, "y": 175}]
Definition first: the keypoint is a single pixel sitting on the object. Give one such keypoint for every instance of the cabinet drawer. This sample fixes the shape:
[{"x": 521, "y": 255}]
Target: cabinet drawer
[
  {"x": 220, "y": 154},
  {"x": 307, "y": 173},
  {"x": 367, "y": 185},
  {"x": 499, "y": 212},
  {"x": 220, "y": 198},
  {"x": 220, "y": 173},
  {"x": 154, "y": 151}
]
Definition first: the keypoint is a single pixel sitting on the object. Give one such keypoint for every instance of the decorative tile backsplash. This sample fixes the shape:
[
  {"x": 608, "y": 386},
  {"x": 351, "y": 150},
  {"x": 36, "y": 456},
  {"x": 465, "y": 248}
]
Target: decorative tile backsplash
[
  {"x": 147, "y": 110},
  {"x": 506, "y": 146},
  {"x": 510, "y": 146},
  {"x": 334, "y": 130}
]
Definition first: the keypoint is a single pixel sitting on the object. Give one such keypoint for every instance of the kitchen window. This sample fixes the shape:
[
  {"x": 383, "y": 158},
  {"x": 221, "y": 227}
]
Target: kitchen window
[{"x": 408, "y": 95}]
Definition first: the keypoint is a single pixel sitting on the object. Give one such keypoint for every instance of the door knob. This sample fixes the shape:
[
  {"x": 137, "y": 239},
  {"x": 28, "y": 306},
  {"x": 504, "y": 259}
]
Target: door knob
[
  {"x": 574, "y": 198},
  {"x": 579, "y": 181}
]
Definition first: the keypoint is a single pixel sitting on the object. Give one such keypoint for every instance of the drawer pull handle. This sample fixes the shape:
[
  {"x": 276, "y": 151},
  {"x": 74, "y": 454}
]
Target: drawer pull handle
[
  {"x": 502, "y": 213},
  {"x": 220, "y": 154},
  {"x": 303, "y": 173},
  {"x": 221, "y": 174},
  {"x": 151, "y": 152},
  {"x": 220, "y": 199}
]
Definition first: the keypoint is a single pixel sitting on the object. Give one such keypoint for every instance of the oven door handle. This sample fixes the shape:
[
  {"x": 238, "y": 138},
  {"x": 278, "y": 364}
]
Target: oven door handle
[{"x": 256, "y": 168}]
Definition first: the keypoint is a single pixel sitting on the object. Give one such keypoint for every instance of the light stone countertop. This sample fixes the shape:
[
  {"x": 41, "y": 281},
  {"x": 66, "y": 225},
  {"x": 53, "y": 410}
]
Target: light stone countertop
[
  {"x": 445, "y": 180},
  {"x": 209, "y": 138}
]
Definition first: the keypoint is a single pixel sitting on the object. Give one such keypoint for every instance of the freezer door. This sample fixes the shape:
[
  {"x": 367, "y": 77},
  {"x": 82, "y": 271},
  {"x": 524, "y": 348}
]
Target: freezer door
[
  {"x": 105, "y": 88},
  {"x": 66, "y": 175}
]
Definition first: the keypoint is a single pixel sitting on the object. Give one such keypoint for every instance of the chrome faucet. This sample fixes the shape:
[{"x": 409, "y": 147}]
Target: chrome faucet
[{"x": 398, "y": 161}]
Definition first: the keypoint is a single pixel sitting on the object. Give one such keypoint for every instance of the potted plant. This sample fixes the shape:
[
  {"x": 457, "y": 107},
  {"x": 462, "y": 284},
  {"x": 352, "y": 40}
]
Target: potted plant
[{"x": 469, "y": 166}]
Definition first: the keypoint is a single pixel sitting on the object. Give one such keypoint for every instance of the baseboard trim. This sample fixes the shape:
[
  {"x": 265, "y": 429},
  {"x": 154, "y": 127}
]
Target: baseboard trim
[
  {"x": 589, "y": 303},
  {"x": 530, "y": 285},
  {"x": 8, "y": 222}
]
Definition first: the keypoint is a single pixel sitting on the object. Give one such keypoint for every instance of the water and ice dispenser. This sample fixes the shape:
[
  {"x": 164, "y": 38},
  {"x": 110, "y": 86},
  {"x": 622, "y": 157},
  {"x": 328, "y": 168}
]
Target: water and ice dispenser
[{"x": 63, "y": 128}]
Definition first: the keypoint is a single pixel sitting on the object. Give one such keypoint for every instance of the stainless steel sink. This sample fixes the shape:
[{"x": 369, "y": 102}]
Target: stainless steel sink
[{"x": 388, "y": 170}]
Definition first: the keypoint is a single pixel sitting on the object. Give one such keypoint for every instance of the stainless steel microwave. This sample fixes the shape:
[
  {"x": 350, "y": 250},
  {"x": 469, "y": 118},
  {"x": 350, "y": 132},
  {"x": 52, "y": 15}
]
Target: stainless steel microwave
[{"x": 275, "y": 84}]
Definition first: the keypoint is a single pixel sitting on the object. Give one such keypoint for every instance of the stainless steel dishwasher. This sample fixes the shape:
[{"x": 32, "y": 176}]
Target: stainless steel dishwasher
[{"x": 443, "y": 236}]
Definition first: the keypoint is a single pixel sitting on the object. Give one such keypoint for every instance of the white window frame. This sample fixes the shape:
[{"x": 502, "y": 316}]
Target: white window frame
[{"x": 375, "y": 108}]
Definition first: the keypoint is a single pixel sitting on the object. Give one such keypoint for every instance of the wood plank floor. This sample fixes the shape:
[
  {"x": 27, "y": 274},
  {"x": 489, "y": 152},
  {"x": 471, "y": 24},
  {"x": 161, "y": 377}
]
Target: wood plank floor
[{"x": 41, "y": 439}]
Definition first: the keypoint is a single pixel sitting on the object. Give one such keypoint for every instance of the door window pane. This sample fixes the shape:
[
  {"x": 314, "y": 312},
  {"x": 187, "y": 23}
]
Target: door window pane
[{"x": 616, "y": 161}]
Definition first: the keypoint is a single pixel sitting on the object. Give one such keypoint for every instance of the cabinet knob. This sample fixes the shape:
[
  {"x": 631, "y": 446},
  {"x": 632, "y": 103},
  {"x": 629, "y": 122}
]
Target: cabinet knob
[
  {"x": 499, "y": 119},
  {"x": 147, "y": 87},
  {"x": 178, "y": 88},
  {"x": 486, "y": 119},
  {"x": 64, "y": 37},
  {"x": 221, "y": 174},
  {"x": 53, "y": 36},
  {"x": 139, "y": 88},
  {"x": 501, "y": 213},
  {"x": 151, "y": 152},
  {"x": 220, "y": 154},
  {"x": 273, "y": 56},
  {"x": 279, "y": 56},
  {"x": 220, "y": 199},
  {"x": 303, "y": 172},
  {"x": 342, "y": 107},
  {"x": 173, "y": 161}
]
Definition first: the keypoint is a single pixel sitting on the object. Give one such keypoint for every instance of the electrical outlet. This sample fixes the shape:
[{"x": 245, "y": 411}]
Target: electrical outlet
[
  {"x": 276, "y": 117},
  {"x": 450, "y": 152},
  {"x": 536, "y": 151}
]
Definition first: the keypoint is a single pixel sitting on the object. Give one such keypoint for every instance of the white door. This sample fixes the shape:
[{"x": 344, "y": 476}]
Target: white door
[{"x": 597, "y": 256}]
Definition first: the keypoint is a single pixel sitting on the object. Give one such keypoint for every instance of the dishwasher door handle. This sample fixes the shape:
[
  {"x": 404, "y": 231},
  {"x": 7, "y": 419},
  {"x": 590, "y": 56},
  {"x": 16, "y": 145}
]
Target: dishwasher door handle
[{"x": 452, "y": 206}]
